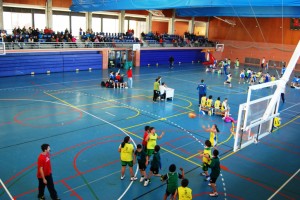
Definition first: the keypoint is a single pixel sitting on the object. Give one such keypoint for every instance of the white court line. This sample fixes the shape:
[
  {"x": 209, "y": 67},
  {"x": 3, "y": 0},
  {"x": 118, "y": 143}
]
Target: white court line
[
  {"x": 110, "y": 114},
  {"x": 284, "y": 184},
  {"x": 69, "y": 105},
  {"x": 290, "y": 107}
]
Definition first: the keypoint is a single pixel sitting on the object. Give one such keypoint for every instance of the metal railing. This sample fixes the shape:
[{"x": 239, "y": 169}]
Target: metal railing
[{"x": 63, "y": 45}]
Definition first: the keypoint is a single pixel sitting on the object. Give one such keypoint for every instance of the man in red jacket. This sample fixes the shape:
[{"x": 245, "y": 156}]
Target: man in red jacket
[{"x": 44, "y": 174}]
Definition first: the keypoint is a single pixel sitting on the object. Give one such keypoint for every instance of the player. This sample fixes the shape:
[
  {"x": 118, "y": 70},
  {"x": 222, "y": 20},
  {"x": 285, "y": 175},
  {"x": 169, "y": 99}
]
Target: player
[{"x": 213, "y": 138}]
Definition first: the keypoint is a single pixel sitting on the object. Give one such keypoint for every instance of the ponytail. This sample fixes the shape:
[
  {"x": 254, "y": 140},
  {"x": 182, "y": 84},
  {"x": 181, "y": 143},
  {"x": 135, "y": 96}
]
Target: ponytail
[
  {"x": 126, "y": 140},
  {"x": 217, "y": 128}
]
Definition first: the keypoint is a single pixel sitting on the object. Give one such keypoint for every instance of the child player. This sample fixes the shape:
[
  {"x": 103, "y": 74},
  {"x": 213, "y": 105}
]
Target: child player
[
  {"x": 142, "y": 160},
  {"x": 155, "y": 164},
  {"x": 172, "y": 180},
  {"x": 184, "y": 192},
  {"x": 206, "y": 155}
]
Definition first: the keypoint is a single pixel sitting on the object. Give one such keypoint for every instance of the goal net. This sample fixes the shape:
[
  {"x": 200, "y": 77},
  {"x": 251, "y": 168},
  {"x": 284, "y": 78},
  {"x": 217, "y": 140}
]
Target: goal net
[{"x": 256, "y": 116}]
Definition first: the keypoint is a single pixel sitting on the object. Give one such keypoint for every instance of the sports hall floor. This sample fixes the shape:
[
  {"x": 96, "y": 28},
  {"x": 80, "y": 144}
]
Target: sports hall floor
[{"x": 84, "y": 124}]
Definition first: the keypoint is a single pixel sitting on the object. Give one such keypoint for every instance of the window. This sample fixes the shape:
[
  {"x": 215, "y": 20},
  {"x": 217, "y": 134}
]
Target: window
[
  {"x": 138, "y": 27},
  {"x": 110, "y": 25},
  {"x": 13, "y": 20},
  {"x": 61, "y": 23},
  {"x": 77, "y": 23},
  {"x": 39, "y": 21},
  {"x": 96, "y": 24}
]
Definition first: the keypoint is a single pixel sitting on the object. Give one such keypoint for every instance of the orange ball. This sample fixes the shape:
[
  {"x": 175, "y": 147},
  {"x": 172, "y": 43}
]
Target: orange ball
[{"x": 192, "y": 115}]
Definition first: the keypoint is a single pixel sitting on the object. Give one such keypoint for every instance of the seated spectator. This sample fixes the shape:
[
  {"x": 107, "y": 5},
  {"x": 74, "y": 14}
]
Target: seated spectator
[{"x": 162, "y": 90}]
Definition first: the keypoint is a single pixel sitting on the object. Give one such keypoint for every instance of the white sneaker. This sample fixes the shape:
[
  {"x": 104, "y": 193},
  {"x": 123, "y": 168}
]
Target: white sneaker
[
  {"x": 142, "y": 179},
  {"x": 146, "y": 183},
  {"x": 203, "y": 174},
  {"x": 207, "y": 178},
  {"x": 122, "y": 177},
  {"x": 133, "y": 178}
]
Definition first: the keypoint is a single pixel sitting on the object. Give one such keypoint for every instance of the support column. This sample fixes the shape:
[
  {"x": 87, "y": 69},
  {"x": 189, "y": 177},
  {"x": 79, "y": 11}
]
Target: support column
[
  {"x": 192, "y": 25},
  {"x": 149, "y": 23},
  {"x": 88, "y": 18},
  {"x": 1, "y": 15},
  {"x": 122, "y": 21},
  {"x": 171, "y": 28},
  {"x": 48, "y": 10}
]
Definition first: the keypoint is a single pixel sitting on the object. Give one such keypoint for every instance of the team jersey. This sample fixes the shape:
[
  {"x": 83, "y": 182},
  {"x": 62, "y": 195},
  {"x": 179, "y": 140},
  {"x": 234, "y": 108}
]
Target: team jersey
[
  {"x": 242, "y": 75},
  {"x": 44, "y": 162},
  {"x": 209, "y": 103},
  {"x": 224, "y": 106},
  {"x": 213, "y": 138},
  {"x": 184, "y": 193},
  {"x": 203, "y": 101},
  {"x": 215, "y": 167},
  {"x": 172, "y": 181},
  {"x": 156, "y": 86},
  {"x": 140, "y": 156},
  {"x": 217, "y": 104},
  {"x": 126, "y": 152},
  {"x": 273, "y": 78},
  {"x": 152, "y": 141},
  {"x": 207, "y": 151}
]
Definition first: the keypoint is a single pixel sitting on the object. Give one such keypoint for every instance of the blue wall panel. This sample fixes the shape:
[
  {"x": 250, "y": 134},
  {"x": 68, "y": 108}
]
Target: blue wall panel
[
  {"x": 162, "y": 56},
  {"x": 13, "y": 64}
]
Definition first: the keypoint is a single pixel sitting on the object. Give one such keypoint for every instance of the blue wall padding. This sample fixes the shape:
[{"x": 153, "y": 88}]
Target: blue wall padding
[
  {"x": 162, "y": 56},
  {"x": 13, "y": 64}
]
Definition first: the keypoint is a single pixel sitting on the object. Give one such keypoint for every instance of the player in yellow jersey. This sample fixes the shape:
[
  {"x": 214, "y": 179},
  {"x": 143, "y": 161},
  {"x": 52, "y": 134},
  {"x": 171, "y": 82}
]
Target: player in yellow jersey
[
  {"x": 217, "y": 107},
  {"x": 206, "y": 155},
  {"x": 209, "y": 105},
  {"x": 126, "y": 153},
  {"x": 184, "y": 192},
  {"x": 203, "y": 102},
  {"x": 213, "y": 131}
]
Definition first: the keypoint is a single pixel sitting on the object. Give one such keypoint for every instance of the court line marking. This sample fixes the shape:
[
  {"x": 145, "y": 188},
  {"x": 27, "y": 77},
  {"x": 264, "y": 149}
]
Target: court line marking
[
  {"x": 289, "y": 107},
  {"x": 110, "y": 114},
  {"x": 284, "y": 184},
  {"x": 90, "y": 114}
]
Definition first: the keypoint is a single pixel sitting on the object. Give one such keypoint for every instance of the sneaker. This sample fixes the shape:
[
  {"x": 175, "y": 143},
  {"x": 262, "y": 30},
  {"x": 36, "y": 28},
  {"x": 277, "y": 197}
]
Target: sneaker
[
  {"x": 42, "y": 198},
  {"x": 214, "y": 194},
  {"x": 122, "y": 177},
  {"x": 142, "y": 179},
  {"x": 133, "y": 178},
  {"x": 203, "y": 174},
  {"x": 146, "y": 182},
  {"x": 210, "y": 184},
  {"x": 207, "y": 178}
]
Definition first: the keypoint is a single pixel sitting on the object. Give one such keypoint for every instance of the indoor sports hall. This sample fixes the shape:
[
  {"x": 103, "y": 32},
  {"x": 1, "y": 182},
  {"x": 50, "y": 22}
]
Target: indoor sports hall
[{"x": 51, "y": 92}]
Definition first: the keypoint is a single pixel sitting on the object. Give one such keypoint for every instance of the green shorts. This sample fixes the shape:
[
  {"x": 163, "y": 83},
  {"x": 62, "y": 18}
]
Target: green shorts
[
  {"x": 150, "y": 152},
  {"x": 205, "y": 167},
  {"x": 125, "y": 163}
]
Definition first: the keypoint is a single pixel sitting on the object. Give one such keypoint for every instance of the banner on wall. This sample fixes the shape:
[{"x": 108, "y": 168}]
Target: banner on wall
[{"x": 295, "y": 23}]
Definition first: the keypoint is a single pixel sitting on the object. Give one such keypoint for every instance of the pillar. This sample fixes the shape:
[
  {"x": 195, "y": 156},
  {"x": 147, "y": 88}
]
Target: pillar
[
  {"x": 192, "y": 25},
  {"x": 88, "y": 18},
  {"x": 105, "y": 59},
  {"x": 1, "y": 15},
  {"x": 137, "y": 59},
  {"x": 149, "y": 23},
  {"x": 122, "y": 21},
  {"x": 171, "y": 28},
  {"x": 48, "y": 10}
]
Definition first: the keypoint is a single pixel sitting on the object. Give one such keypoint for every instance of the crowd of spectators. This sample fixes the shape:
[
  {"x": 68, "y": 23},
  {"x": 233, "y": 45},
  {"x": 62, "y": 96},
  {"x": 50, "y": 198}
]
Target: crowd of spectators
[
  {"x": 31, "y": 35},
  {"x": 188, "y": 40}
]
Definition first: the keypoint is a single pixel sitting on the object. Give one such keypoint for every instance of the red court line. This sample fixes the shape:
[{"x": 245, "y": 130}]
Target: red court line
[
  {"x": 280, "y": 148},
  {"x": 220, "y": 193},
  {"x": 16, "y": 120},
  {"x": 265, "y": 165},
  {"x": 73, "y": 193},
  {"x": 284, "y": 143},
  {"x": 86, "y": 148},
  {"x": 57, "y": 153},
  {"x": 257, "y": 183}
]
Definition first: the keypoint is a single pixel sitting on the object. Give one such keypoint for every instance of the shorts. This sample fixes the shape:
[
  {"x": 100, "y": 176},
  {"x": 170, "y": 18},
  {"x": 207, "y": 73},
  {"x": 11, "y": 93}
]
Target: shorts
[
  {"x": 228, "y": 82},
  {"x": 125, "y": 163},
  {"x": 242, "y": 76},
  {"x": 150, "y": 152},
  {"x": 205, "y": 167},
  {"x": 213, "y": 180},
  {"x": 142, "y": 166},
  {"x": 168, "y": 192},
  {"x": 155, "y": 170}
]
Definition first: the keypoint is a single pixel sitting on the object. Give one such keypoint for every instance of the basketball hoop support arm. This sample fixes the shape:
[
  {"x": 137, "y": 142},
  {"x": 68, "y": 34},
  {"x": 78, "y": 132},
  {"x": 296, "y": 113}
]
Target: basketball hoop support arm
[{"x": 282, "y": 81}]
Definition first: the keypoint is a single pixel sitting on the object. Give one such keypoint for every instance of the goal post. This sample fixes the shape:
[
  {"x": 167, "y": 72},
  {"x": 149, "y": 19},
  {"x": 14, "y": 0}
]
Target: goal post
[{"x": 256, "y": 116}]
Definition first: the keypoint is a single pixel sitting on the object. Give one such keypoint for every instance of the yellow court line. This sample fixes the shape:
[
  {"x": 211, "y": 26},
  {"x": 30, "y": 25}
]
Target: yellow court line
[
  {"x": 187, "y": 107},
  {"x": 187, "y": 97},
  {"x": 61, "y": 100},
  {"x": 99, "y": 102},
  {"x": 283, "y": 125},
  {"x": 161, "y": 119},
  {"x": 137, "y": 111},
  {"x": 192, "y": 156},
  {"x": 175, "y": 154}
]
